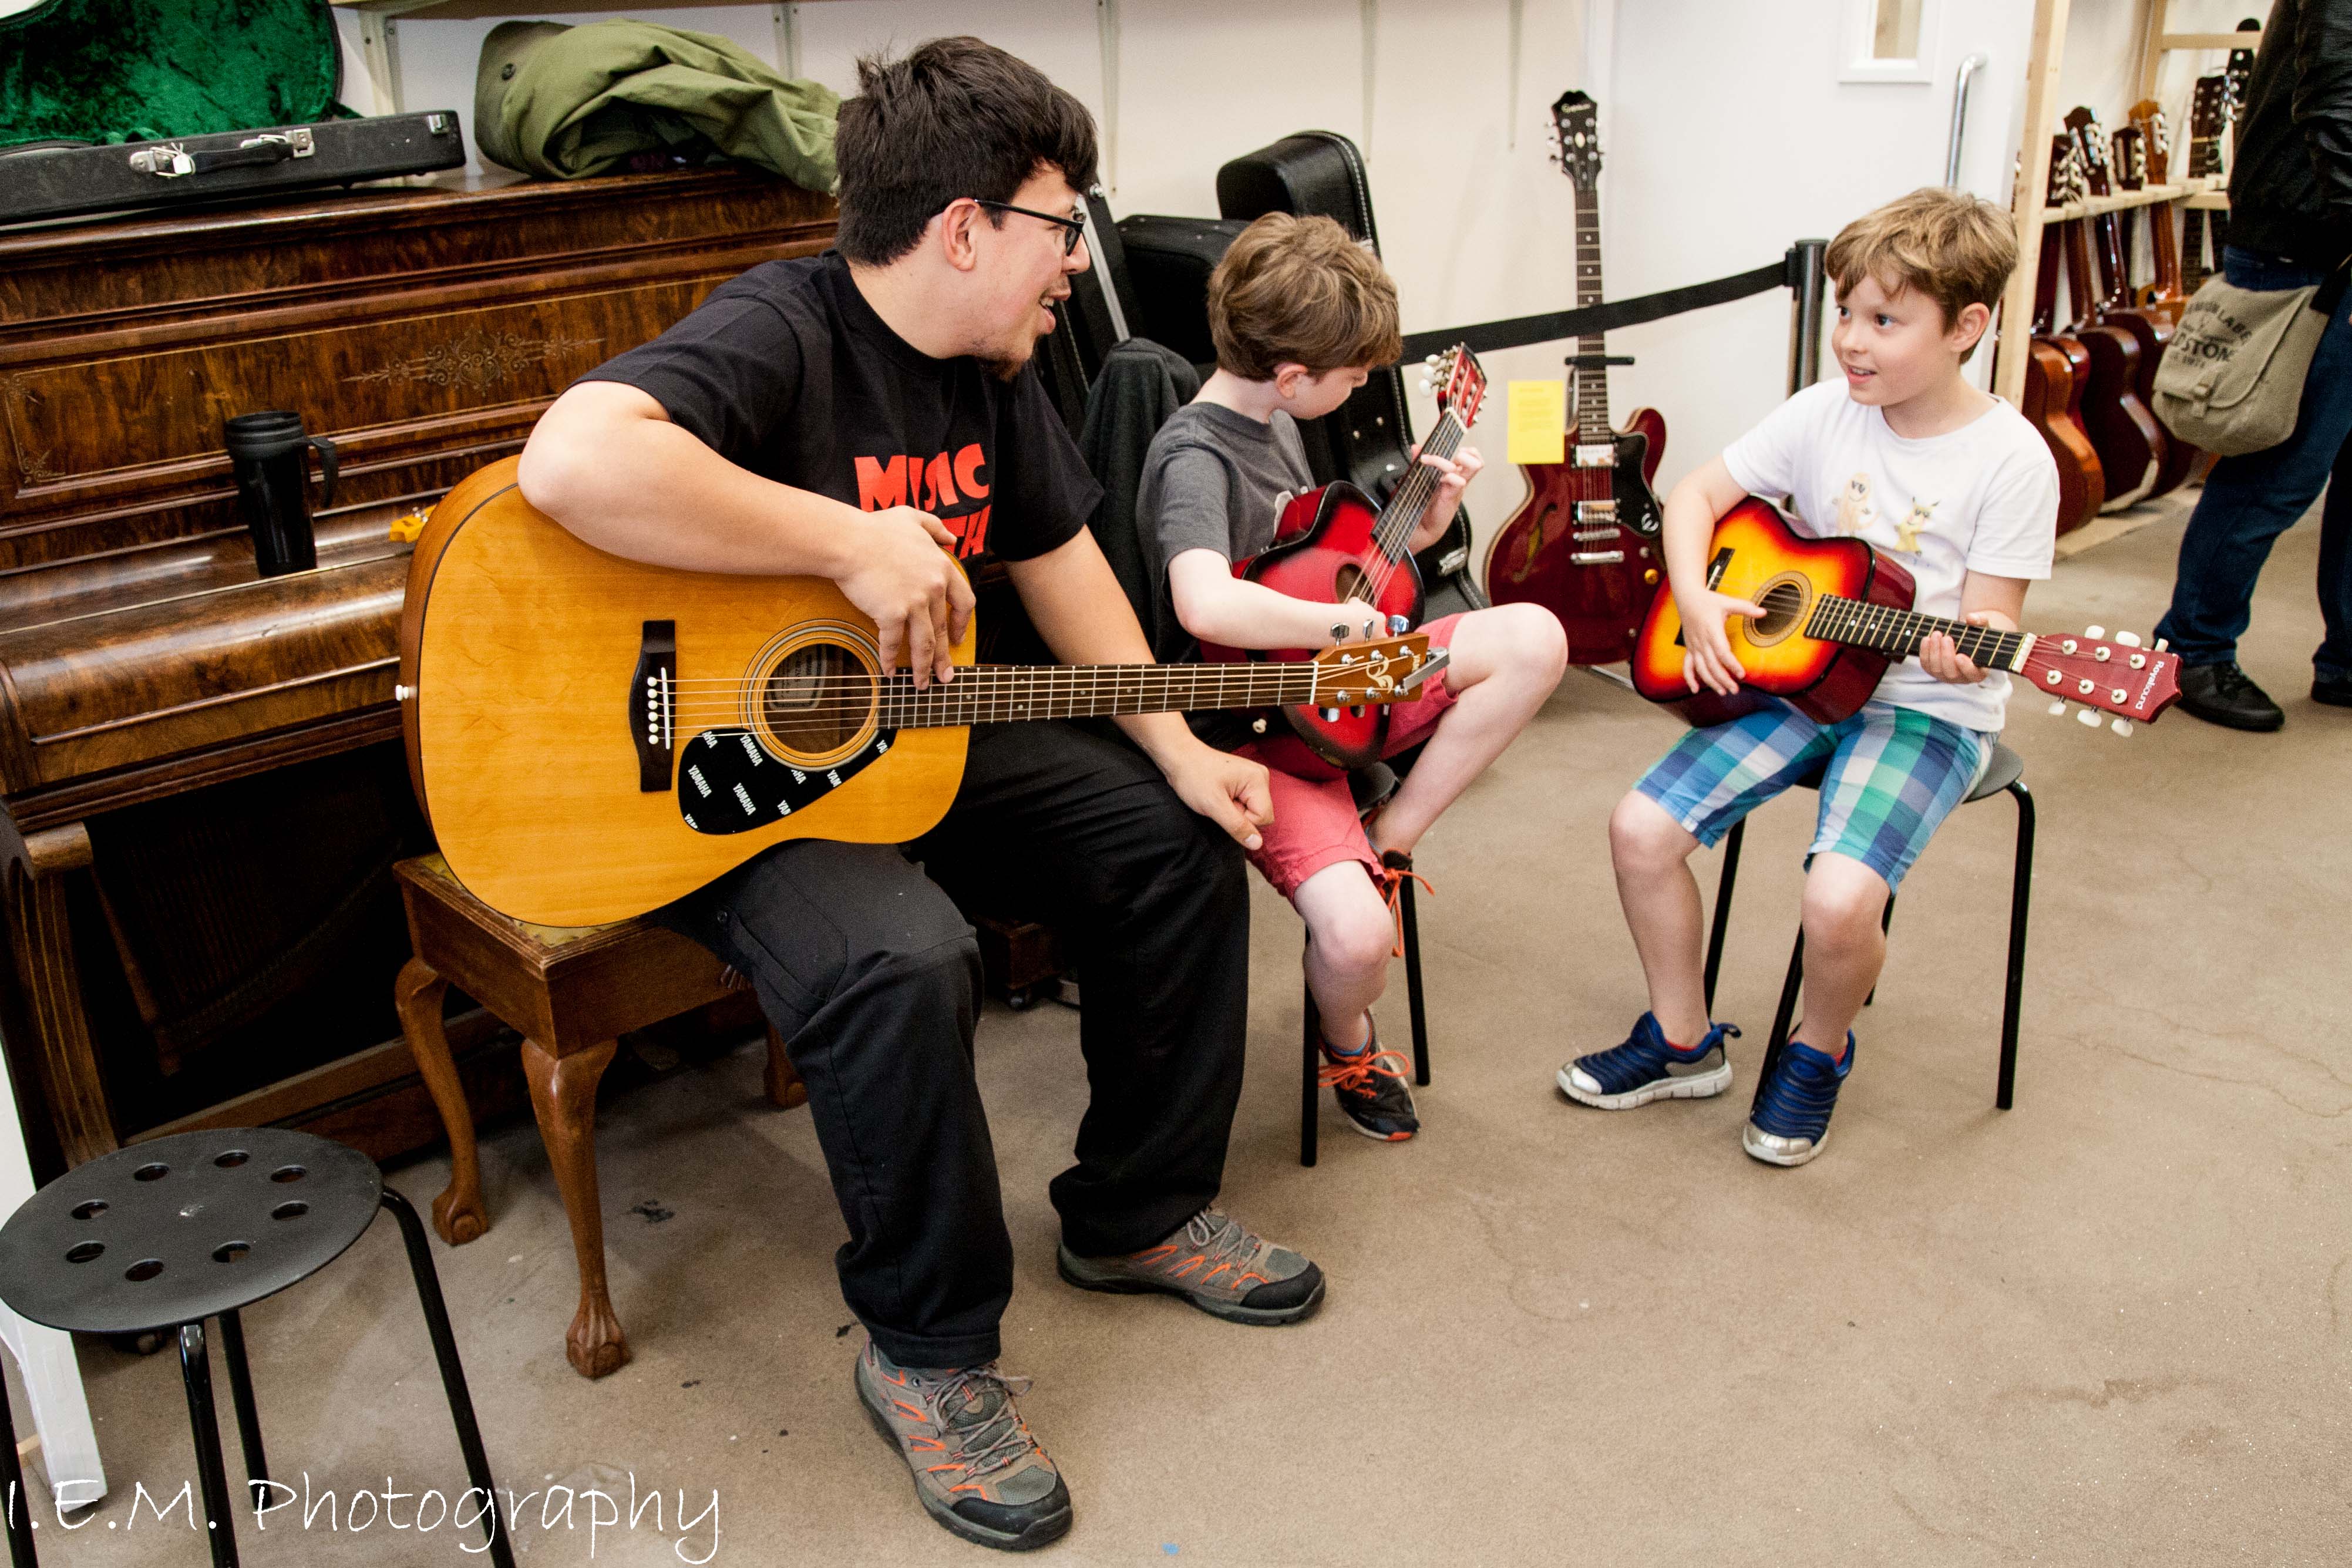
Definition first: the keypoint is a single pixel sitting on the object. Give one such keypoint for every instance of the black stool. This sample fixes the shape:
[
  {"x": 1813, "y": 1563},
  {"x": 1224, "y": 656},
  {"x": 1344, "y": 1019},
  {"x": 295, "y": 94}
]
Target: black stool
[
  {"x": 197, "y": 1226},
  {"x": 1372, "y": 785},
  {"x": 2004, "y": 772}
]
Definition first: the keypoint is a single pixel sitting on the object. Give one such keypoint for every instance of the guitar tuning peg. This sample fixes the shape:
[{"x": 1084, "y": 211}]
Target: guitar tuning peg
[
  {"x": 2058, "y": 709},
  {"x": 2127, "y": 639},
  {"x": 1431, "y": 361},
  {"x": 2123, "y": 727},
  {"x": 2161, "y": 644},
  {"x": 2095, "y": 633},
  {"x": 1339, "y": 631},
  {"x": 2088, "y": 716},
  {"x": 1371, "y": 629},
  {"x": 1425, "y": 384}
]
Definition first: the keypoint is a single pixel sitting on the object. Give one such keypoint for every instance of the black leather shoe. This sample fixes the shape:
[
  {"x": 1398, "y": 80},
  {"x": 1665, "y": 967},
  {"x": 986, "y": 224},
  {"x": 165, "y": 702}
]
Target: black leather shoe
[
  {"x": 2334, "y": 693},
  {"x": 2221, "y": 694}
]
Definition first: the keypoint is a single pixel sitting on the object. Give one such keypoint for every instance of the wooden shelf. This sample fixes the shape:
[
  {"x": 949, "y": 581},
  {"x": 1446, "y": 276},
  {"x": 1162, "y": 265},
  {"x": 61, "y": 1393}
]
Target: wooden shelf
[
  {"x": 2146, "y": 196},
  {"x": 2252, "y": 37},
  {"x": 2216, "y": 200}
]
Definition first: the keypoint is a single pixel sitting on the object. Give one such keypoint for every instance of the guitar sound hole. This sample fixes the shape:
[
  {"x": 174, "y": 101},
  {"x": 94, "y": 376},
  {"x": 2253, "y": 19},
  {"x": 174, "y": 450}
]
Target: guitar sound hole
[
  {"x": 817, "y": 700},
  {"x": 1350, "y": 583},
  {"x": 1784, "y": 600}
]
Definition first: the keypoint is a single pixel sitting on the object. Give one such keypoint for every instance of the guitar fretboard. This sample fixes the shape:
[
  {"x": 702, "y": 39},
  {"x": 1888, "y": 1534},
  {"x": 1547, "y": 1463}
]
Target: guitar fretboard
[
  {"x": 1591, "y": 384},
  {"x": 1898, "y": 633},
  {"x": 1412, "y": 496},
  {"x": 999, "y": 693}
]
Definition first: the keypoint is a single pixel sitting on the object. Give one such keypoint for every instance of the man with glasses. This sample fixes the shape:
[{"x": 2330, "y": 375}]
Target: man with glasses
[{"x": 853, "y": 416}]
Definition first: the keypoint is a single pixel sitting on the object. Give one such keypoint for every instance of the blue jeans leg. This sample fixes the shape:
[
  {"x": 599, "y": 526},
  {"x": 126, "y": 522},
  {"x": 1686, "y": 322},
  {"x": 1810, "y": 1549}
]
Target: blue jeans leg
[
  {"x": 2249, "y": 501},
  {"x": 2334, "y": 660}
]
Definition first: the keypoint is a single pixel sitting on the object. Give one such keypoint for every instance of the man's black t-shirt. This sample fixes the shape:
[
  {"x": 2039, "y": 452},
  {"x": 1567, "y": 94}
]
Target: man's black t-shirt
[{"x": 786, "y": 370}]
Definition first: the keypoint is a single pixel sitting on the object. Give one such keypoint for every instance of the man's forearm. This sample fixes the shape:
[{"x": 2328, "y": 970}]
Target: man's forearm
[{"x": 607, "y": 465}]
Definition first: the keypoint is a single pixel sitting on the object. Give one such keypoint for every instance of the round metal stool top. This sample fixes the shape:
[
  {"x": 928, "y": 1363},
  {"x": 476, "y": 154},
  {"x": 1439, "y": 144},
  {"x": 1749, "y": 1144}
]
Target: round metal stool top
[{"x": 183, "y": 1228}]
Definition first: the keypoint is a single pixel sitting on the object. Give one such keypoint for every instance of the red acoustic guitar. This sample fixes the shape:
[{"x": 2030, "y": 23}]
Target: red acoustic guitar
[
  {"x": 2123, "y": 428},
  {"x": 1584, "y": 544},
  {"x": 1333, "y": 546},
  {"x": 1837, "y": 612}
]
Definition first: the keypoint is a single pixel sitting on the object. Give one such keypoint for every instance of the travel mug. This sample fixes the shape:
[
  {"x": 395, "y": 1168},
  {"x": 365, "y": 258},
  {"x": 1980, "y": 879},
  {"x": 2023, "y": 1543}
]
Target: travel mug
[{"x": 272, "y": 458}]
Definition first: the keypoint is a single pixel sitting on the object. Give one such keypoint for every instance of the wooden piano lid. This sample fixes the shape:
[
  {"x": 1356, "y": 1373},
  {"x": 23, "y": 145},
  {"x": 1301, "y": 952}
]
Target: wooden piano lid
[{"x": 110, "y": 665}]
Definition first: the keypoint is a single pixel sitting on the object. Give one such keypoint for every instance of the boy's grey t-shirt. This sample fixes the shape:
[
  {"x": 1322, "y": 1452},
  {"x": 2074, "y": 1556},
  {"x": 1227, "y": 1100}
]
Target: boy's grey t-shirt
[{"x": 1215, "y": 480}]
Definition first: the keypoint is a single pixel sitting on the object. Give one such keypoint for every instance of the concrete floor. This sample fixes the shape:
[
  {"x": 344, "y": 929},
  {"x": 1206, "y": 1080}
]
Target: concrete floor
[{"x": 2113, "y": 1325}]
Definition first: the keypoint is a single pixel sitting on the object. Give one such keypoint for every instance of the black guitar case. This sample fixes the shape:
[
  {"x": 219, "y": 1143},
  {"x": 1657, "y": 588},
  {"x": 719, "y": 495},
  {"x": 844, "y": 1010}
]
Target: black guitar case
[{"x": 1368, "y": 441}]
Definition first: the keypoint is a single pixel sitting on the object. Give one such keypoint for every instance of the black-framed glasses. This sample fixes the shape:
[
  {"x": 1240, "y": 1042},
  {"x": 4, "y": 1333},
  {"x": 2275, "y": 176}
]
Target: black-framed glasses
[{"x": 1074, "y": 229}]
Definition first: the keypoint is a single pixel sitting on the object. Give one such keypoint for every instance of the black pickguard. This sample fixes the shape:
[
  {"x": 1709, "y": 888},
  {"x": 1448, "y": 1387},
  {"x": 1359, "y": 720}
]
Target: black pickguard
[
  {"x": 1637, "y": 503},
  {"x": 728, "y": 783}
]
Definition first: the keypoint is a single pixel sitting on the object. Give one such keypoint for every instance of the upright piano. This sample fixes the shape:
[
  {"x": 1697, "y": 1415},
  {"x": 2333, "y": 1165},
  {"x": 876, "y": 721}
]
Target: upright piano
[{"x": 201, "y": 788}]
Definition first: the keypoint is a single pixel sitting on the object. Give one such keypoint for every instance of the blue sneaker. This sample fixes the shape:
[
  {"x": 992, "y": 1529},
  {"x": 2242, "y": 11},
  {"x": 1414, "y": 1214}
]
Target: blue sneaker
[
  {"x": 1791, "y": 1121},
  {"x": 1647, "y": 1067}
]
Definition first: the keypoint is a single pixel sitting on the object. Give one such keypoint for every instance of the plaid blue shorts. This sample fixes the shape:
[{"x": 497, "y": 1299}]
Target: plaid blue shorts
[{"x": 1892, "y": 775}]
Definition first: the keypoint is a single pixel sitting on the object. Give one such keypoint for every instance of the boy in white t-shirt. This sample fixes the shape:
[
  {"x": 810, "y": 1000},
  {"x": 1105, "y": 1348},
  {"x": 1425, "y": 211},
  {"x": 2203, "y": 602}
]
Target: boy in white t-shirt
[{"x": 1958, "y": 487}]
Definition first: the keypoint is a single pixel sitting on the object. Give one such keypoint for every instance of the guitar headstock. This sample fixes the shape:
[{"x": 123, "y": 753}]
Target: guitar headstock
[
  {"x": 2240, "y": 69},
  {"x": 2156, "y": 139},
  {"x": 1576, "y": 138},
  {"x": 2091, "y": 143},
  {"x": 1390, "y": 669},
  {"x": 1456, "y": 381},
  {"x": 2131, "y": 158},
  {"x": 2105, "y": 674},
  {"x": 2066, "y": 171},
  {"x": 2208, "y": 107}
]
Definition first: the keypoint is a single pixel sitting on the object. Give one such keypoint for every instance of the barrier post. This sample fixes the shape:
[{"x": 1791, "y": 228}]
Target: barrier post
[{"x": 1808, "y": 286}]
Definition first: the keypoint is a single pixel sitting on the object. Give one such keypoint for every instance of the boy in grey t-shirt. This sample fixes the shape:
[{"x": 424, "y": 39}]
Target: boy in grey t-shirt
[{"x": 1301, "y": 314}]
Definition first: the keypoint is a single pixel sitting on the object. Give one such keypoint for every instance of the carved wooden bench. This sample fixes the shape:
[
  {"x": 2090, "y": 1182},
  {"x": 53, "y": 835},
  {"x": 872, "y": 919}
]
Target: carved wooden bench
[{"x": 572, "y": 991}]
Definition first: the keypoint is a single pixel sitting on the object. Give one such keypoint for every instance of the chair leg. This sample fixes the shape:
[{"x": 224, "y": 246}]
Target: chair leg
[
  {"x": 2021, "y": 900},
  {"x": 785, "y": 1088},
  {"x": 1722, "y": 886},
  {"x": 1782, "y": 1017},
  {"x": 1413, "y": 984},
  {"x": 563, "y": 1095},
  {"x": 459, "y": 1213},
  {"x": 453, "y": 1372},
  {"x": 11, "y": 1476},
  {"x": 1886, "y": 924},
  {"x": 212, "y": 1474},
  {"x": 1307, "y": 1098},
  {"x": 248, "y": 1415}
]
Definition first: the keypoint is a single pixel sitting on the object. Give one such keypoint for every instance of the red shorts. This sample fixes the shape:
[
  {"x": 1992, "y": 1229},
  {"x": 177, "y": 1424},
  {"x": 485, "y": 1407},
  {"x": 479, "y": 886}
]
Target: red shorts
[{"x": 1315, "y": 822}]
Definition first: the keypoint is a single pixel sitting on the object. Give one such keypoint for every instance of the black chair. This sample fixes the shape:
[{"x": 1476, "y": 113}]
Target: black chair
[
  {"x": 1372, "y": 787},
  {"x": 201, "y": 1224},
  {"x": 2005, "y": 773}
]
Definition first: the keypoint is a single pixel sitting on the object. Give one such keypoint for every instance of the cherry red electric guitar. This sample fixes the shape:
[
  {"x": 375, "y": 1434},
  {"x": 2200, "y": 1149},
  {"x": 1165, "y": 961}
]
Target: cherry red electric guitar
[
  {"x": 1584, "y": 544},
  {"x": 1334, "y": 546},
  {"x": 1837, "y": 612}
]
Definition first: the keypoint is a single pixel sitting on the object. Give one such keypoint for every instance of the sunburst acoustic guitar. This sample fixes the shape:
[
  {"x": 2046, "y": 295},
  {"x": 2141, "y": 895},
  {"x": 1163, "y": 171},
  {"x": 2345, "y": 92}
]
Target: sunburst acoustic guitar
[
  {"x": 1837, "y": 612},
  {"x": 592, "y": 737}
]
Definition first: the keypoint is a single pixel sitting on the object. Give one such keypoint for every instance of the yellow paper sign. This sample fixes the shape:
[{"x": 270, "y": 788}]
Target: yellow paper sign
[{"x": 1539, "y": 421}]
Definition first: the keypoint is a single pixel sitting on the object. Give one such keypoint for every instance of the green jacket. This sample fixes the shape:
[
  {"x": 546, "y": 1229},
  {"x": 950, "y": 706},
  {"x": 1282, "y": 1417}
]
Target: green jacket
[{"x": 566, "y": 102}]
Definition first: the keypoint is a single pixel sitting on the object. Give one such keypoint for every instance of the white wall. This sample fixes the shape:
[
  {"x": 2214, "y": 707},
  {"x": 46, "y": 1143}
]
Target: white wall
[{"x": 1726, "y": 130}]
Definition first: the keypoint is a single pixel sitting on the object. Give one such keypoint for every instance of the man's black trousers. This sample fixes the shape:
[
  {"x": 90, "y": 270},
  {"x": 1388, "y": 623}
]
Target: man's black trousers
[{"x": 866, "y": 969}]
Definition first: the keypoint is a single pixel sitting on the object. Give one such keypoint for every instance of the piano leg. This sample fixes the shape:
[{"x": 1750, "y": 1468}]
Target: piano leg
[
  {"x": 458, "y": 1214},
  {"x": 563, "y": 1093},
  {"x": 48, "y": 985}
]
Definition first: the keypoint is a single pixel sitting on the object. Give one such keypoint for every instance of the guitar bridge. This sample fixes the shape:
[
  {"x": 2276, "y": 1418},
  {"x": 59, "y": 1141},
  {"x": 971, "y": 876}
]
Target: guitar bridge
[{"x": 652, "y": 705}]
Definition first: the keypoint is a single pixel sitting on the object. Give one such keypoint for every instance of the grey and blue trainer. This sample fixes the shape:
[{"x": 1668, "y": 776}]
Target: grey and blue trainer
[
  {"x": 1217, "y": 1264},
  {"x": 1649, "y": 1066},
  {"x": 977, "y": 1469}
]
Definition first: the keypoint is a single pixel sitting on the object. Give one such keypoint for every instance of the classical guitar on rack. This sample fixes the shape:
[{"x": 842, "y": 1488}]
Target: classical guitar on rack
[
  {"x": 591, "y": 738},
  {"x": 2057, "y": 369},
  {"x": 2145, "y": 155},
  {"x": 1584, "y": 544},
  {"x": 2116, "y": 412},
  {"x": 1334, "y": 546},
  {"x": 1837, "y": 612},
  {"x": 2209, "y": 118}
]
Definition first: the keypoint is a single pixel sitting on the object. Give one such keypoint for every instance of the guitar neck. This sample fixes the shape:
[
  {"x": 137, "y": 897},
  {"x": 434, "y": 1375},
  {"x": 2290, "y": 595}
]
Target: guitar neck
[
  {"x": 1404, "y": 512},
  {"x": 1898, "y": 633},
  {"x": 1591, "y": 383},
  {"x": 998, "y": 693}
]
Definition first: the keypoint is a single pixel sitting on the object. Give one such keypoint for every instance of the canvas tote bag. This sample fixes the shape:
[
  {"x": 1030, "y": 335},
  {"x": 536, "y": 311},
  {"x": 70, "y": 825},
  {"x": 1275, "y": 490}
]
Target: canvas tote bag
[{"x": 2231, "y": 379}]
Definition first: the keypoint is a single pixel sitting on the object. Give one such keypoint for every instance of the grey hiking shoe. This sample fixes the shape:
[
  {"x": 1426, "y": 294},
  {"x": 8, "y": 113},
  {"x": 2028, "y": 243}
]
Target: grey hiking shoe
[
  {"x": 977, "y": 1469},
  {"x": 1216, "y": 1263}
]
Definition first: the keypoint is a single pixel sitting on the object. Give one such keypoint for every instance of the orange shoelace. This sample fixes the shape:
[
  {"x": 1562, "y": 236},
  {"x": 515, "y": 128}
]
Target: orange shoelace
[
  {"x": 1392, "y": 878},
  {"x": 1354, "y": 1073}
]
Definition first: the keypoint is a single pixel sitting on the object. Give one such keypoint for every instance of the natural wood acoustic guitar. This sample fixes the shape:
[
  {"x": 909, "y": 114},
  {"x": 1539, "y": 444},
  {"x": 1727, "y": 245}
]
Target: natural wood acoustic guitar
[
  {"x": 1837, "y": 612},
  {"x": 592, "y": 737},
  {"x": 2057, "y": 368}
]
